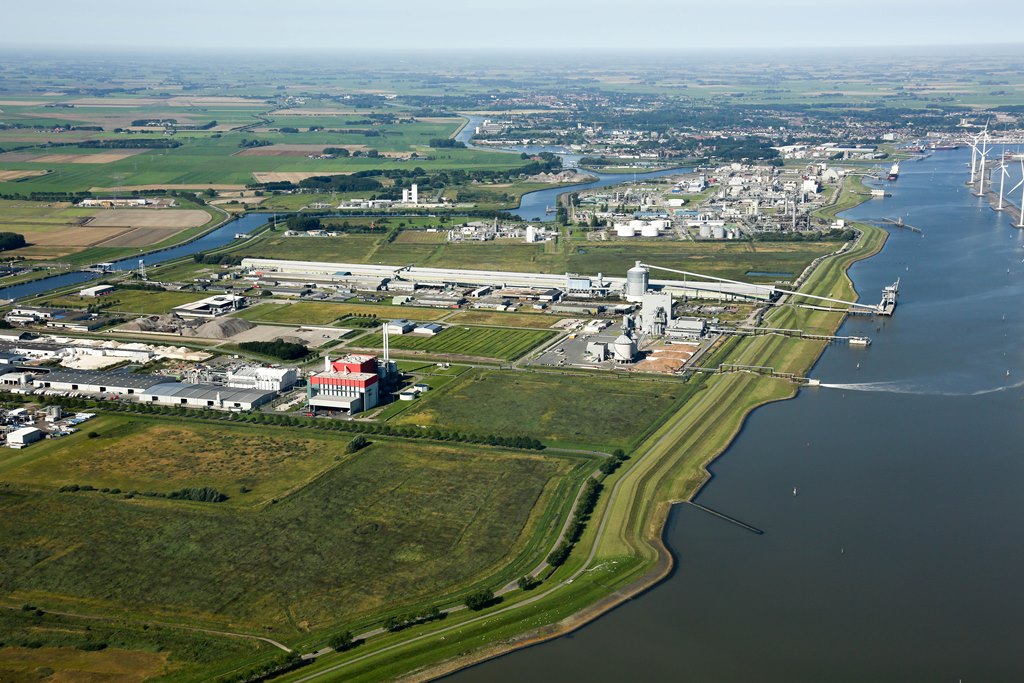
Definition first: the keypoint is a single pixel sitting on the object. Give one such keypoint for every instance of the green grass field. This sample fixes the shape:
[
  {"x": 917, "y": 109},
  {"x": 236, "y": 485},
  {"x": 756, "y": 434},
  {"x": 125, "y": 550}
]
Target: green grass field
[
  {"x": 483, "y": 342},
  {"x": 723, "y": 259},
  {"x": 541, "y": 321},
  {"x": 322, "y": 312},
  {"x": 349, "y": 543},
  {"x": 153, "y": 454},
  {"x": 588, "y": 411},
  {"x": 128, "y": 301}
]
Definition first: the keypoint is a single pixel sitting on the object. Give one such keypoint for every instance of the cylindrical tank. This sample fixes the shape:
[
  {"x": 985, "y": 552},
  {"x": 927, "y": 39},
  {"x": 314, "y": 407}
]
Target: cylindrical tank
[
  {"x": 705, "y": 230},
  {"x": 531, "y": 233},
  {"x": 718, "y": 232},
  {"x": 623, "y": 349},
  {"x": 625, "y": 230},
  {"x": 637, "y": 224},
  {"x": 649, "y": 230},
  {"x": 636, "y": 282}
]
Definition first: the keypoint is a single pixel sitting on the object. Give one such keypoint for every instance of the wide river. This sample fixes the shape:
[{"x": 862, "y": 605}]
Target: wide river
[{"x": 900, "y": 559}]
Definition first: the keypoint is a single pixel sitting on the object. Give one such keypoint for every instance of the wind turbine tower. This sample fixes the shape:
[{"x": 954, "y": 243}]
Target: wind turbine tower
[
  {"x": 1002, "y": 181},
  {"x": 1020, "y": 221}
]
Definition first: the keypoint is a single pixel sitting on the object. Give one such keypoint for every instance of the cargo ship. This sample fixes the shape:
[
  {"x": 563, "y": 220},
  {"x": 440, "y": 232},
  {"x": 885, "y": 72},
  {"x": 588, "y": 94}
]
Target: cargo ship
[
  {"x": 889, "y": 294},
  {"x": 894, "y": 172},
  {"x": 935, "y": 147}
]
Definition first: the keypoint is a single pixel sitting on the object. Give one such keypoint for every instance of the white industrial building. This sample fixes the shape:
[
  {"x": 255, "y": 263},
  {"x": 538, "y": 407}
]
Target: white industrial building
[
  {"x": 655, "y": 313},
  {"x": 686, "y": 328},
  {"x": 400, "y": 326},
  {"x": 88, "y": 382},
  {"x": 211, "y": 306},
  {"x": 205, "y": 396},
  {"x": 262, "y": 379},
  {"x": 98, "y": 290},
  {"x": 323, "y": 271},
  {"x": 20, "y": 438}
]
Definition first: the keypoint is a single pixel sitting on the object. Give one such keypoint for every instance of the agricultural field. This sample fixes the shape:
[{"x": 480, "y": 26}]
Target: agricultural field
[
  {"x": 482, "y": 342},
  {"x": 323, "y": 551},
  {"x": 215, "y": 157},
  {"x": 578, "y": 410},
  {"x": 321, "y": 313},
  {"x": 540, "y": 321},
  {"x": 59, "y": 230}
]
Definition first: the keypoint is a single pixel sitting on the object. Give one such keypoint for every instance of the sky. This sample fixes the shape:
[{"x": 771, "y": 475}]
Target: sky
[{"x": 447, "y": 25}]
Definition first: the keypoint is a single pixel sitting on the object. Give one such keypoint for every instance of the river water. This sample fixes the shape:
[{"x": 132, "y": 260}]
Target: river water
[
  {"x": 211, "y": 240},
  {"x": 899, "y": 559}
]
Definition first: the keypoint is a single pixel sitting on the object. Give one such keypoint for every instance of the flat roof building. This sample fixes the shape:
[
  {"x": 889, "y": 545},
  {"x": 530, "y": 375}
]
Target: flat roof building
[{"x": 206, "y": 396}]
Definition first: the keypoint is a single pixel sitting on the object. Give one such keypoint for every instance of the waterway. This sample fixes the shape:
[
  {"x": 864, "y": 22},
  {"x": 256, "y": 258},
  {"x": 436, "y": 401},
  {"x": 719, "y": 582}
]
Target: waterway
[
  {"x": 533, "y": 205},
  {"x": 899, "y": 559},
  {"x": 212, "y": 240}
]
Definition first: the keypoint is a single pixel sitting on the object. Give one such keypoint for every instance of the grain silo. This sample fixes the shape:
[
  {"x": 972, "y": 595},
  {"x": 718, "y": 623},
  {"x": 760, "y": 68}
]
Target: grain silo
[{"x": 636, "y": 282}]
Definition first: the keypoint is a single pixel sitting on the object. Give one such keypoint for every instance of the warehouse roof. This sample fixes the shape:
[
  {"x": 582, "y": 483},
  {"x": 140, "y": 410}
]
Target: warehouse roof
[
  {"x": 207, "y": 392},
  {"x": 107, "y": 379}
]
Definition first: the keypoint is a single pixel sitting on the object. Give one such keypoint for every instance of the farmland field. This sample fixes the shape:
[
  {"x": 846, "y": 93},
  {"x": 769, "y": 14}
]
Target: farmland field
[
  {"x": 540, "y": 321},
  {"x": 349, "y": 543},
  {"x": 321, "y": 313},
  {"x": 483, "y": 342},
  {"x": 59, "y": 229},
  {"x": 591, "y": 411}
]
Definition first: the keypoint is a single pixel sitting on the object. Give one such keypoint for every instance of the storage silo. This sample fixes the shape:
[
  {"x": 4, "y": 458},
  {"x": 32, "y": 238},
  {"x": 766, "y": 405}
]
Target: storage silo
[
  {"x": 625, "y": 230},
  {"x": 718, "y": 232},
  {"x": 623, "y": 349},
  {"x": 649, "y": 230},
  {"x": 636, "y": 282},
  {"x": 705, "y": 230}
]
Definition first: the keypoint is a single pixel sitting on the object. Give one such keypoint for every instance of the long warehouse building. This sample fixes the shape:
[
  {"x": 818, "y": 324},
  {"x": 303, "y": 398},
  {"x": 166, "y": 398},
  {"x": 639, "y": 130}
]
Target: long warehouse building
[{"x": 322, "y": 271}]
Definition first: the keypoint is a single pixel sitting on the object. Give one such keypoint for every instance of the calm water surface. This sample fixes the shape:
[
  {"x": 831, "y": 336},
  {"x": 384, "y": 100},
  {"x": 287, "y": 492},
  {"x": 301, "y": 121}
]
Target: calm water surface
[{"x": 901, "y": 558}]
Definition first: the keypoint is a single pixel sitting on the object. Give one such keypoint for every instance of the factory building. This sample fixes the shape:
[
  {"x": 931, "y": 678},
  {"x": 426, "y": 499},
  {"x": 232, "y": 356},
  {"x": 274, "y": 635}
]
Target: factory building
[
  {"x": 89, "y": 382},
  {"x": 582, "y": 286},
  {"x": 206, "y": 396},
  {"x": 686, "y": 328},
  {"x": 20, "y": 438},
  {"x": 211, "y": 307},
  {"x": 98, "y": 290},
  {"x": 655, "y": 313},
  {"x": 350, "y": 384},
  {"x": 262, "y": 379}
]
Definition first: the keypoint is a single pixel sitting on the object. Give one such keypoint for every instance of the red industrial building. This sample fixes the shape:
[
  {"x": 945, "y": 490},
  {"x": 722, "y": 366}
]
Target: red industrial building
[{"x": 350, "y": 384}]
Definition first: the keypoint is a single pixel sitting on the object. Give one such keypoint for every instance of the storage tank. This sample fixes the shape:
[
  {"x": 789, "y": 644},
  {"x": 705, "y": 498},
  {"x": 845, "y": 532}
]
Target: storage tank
[
  {"x": 649, "y": 230},
  {"x": 636, "y": 282},
  {"x": 625, "y": 230},
  {"x": 531, "y": 233},
  {"x": 637, "y": 224},
  {"x": 705, "y": 230},
  {"x": 623, "y": 349},
  {"x": 718, "y": 232}
]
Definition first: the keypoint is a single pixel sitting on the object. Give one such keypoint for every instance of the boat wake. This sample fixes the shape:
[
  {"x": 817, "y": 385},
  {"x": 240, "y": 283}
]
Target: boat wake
[{"x": 917, "y": 389}]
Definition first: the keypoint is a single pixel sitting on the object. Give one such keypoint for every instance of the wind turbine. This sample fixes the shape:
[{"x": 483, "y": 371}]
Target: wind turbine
[
  {"x": 984, "y": 155},
  {"x": 1003, "y": 173},
  {"x": 1020, "y": 221},
  {"x": 974, "y": 156}
]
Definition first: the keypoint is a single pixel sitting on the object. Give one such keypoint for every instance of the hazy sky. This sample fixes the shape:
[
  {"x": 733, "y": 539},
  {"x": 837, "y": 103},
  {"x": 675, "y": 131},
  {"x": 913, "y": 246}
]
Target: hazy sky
[{"x": 472, "y": 24}]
